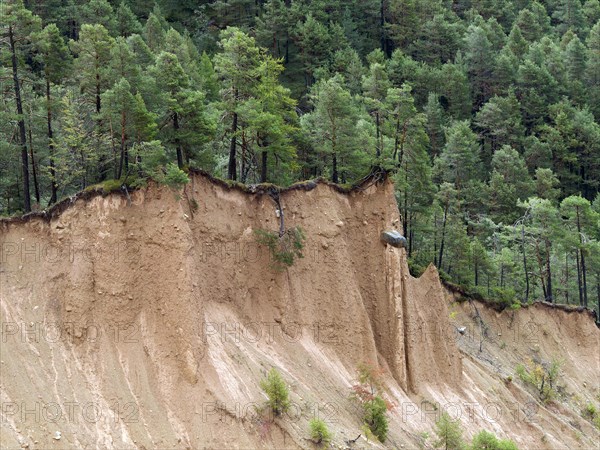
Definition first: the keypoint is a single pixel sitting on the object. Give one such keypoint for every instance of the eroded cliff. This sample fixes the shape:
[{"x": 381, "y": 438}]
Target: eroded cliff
[{"x": 149, "y": 323}]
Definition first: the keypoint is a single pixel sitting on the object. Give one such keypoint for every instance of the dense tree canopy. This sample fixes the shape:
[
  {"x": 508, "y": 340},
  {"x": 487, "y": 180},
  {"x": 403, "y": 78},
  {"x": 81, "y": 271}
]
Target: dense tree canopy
[{"x": 487, "y": 114}]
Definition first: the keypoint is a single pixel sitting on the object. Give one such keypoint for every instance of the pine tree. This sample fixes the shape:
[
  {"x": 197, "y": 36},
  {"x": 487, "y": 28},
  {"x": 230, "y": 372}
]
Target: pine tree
[
  {"x": 332, "y": 128},
  {"x": 236, "y": 13},
  {"x": 505, "y": 71},
  {"x": 123, "y": 63},
  {"x": 143, "y": 121},
  {"x": 21, "y": 24},
  {"x": 435, "y": 124},
  {"x": 407, "y": 130},
  {"x": 449, "y": 433},
  {"x": 592, "y": 72},
  {"x": 93, "y": 51},
  {"x": 126, "y": 22},
  {"x": 347, "y": 63},
  {"x": 57, "y": 62},
  {"x": 516, "y": 43},
  {"x": 184, "y": 108},
  {"x": 459, "y": 161},
  {"x": 272, "y": 28},
  {"x": 208, "y": 77},
  {"x": 569, "y": 14},
  {"x": 455, "y": 90},
  {"x": 546, "y": 184},
  {"x": 144, "y": 57},
  {"x": 438, "y": 39},
  {"x": 528, "y": 24},
  {"x": 375, "y": 89},
  {"x": 510, "y": 181},
  {"x": 314, "y": 42},
  {"x": 478, "y": 54},
  {"x": 544, "y": 231},
  {"x": 501, "y": 123},
  {"x": 99, "y": 12},
  {"x": 273, "y": 120},
  {"x": 591, "y": 11},
  {"x": 575, "y": 61},
  {"x": 237, "y": 67},
  {"x": 579, "y": 219},
  {"x": 448, "y": 203},
  {"x": 536, "y": 89},
  {"x": 75, "y": 157},
  {"x": 154, "y": 32},
  {"x": 120, "y": 104},
  {"x": 573, "y": 137}
]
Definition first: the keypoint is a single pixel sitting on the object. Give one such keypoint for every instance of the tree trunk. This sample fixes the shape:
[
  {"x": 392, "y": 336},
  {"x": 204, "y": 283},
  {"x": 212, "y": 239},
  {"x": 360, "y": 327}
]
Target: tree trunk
[
  {"x": 582, "y": 256},
  {"x": 583, "y": 272},
  {"x": 244, "y": 168},
  {"x": 232, "y": 166},
  {"x": 122, "y": 157},
  {"x": 567, "y": 278},
  {"x": 36, "y": 185},
  {"x": 114, "y": 148},
  {"x": 541, "y": 267},
  {"x": 397, "y": 141},
  {"x": 98, "y": 100},
  {"x": 385, "y": 42},
  {"x": 405, "y": 218},
  {"x": 434, "y": 235},
  {"x": 378, "y": 135},
  {"x": 177, "y": 143},
  {"x": 22, "y": 136},
  {"x": 443, "y": 237},
  {"x": 549, "y": 283},
  {"x": 598, "y": 295},
  {"x": 579, "y": 278},
  {"x": 54, "y": 186},
  {"x": 525, "y": 263},
  {"x": 334, "y": 173},
  {"x": 263, "y": 167}
]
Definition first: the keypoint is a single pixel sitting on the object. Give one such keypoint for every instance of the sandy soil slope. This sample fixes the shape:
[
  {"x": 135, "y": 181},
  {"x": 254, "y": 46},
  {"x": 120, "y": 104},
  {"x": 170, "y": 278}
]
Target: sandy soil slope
[{"x": 150, "y": 324}]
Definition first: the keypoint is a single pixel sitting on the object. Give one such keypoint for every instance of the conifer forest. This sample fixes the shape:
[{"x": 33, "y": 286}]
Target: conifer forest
[{"x": 484, "y": 113}]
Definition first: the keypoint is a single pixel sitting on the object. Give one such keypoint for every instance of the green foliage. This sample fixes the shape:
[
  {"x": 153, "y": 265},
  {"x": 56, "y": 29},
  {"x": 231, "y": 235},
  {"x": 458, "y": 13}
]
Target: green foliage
[
  {"x": 174, "y": 177},
  {"x": 277, "y": 391},
  {"x": 484, "y": 440},
  {"x": 369, "y": 392},
  {"x": 591, "y": 413},
  {"x": 284, "y": 249},
  {"x": 111, "y": 186},
  {"x": 459, "y": 161},
  {"x": 93, "y": 51},
  {"x": 375, "y": 417},
  {"x": 319, "y": 432},
  {"x": 449, "y": 433},
  {"x": 543, "y": 377},
  {"x": 334, "y": 127}
]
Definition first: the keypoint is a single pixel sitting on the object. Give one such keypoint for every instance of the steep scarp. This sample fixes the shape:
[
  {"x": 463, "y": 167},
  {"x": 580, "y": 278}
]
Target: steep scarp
[{"x": 149, "y": 322}]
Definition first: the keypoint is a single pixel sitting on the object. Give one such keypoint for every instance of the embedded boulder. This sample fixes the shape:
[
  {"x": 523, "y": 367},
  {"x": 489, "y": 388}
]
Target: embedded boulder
[{"x": 394, "y": 238}]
